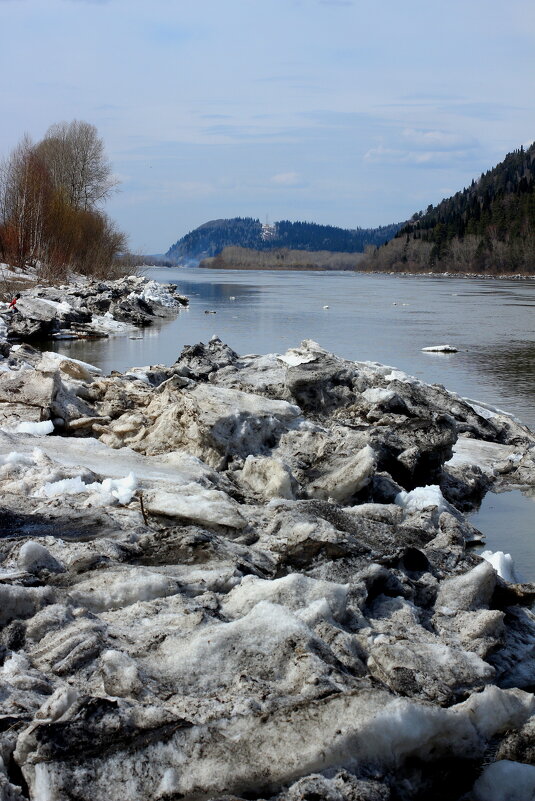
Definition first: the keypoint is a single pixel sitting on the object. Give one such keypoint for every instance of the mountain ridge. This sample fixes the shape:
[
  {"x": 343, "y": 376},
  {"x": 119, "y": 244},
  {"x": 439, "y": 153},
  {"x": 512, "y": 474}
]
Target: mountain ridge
[{"x": 210, "y": 238}]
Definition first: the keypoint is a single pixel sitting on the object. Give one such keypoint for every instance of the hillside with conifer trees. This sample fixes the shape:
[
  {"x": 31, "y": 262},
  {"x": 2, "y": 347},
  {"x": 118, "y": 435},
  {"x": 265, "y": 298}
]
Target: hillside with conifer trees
[
  {"x": 488, "y": 227},
  {"x": 211, "y": 238}
]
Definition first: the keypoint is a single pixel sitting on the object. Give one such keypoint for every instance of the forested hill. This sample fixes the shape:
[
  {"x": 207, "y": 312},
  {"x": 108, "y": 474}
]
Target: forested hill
[
  {"x": 210, "y": 239},
  {"x": 487, "y": 227}
]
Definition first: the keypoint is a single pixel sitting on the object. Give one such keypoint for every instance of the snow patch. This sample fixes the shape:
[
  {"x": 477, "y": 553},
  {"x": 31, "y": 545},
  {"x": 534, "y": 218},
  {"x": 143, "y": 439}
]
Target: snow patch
[
  {"x": 502, "y": 563},
  {"x": 506, "y": 781},
  {"x": 121, "y": 490},
  {"x": 37, "y": 429},
  {"x": 422, "y": 498}
]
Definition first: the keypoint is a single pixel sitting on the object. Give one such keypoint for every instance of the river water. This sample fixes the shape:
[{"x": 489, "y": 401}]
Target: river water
[{"x": 382, "y": 318}]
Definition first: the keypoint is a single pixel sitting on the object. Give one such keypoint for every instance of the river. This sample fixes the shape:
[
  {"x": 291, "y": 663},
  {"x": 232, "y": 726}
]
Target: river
[{"x": 382, "y": 318}]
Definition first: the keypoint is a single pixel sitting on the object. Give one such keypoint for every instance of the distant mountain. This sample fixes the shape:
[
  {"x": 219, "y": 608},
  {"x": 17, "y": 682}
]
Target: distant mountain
[
  {"x": 210, "y": 239},
  {"x": 488, "y": 227}
]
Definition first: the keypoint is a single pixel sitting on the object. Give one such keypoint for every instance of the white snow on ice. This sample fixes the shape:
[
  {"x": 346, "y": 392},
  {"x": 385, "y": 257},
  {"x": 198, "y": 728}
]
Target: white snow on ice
[
  {"x": 502, "y": 563},
  {"x": 422, "y": 498}
]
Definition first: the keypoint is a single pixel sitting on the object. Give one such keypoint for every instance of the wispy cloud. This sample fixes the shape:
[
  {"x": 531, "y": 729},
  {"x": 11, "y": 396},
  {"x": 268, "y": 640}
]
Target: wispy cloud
[
  {"x": 286, "y": 179},
  {"x": 418, "y": 158}
]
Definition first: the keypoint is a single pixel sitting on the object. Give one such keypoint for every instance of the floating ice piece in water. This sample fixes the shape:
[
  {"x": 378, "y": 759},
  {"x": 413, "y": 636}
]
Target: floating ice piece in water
[
  {"x": 421, "y": 498},
  {"x": 440, "y": 349},
  {"x": 325, "y": 307},
  {"x": 502, "y": 563},
  {"x": 37, "y": 429},
  {"x": 157, "y": 293}
]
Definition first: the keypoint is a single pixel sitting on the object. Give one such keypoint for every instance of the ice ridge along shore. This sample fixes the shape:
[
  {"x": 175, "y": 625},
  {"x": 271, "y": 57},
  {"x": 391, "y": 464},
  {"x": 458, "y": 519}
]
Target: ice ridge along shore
[
  {"x": 251, "y": 577},
  {"x": 87, "y": 308}
]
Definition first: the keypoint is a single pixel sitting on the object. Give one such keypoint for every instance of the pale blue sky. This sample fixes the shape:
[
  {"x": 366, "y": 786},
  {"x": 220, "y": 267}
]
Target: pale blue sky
[{"x": 346, "y": 112}]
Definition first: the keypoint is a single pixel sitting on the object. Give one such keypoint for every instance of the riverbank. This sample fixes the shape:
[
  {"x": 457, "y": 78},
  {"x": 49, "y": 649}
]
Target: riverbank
[{"x": 257, "y": 564}]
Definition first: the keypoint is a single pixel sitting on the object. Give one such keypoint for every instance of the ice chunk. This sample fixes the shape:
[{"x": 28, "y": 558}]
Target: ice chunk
[
  {"x": 56, "y": 358},
  {"x": 506, "y": 781},
  {"x": 124, "y": 590},
  {"x": 157, "y": 293},
  {"x": 268, "y": 477},
  {"x": 195, "y": 503},
  {"x": 440, "y": 349},
  {"x": 346, "y": 476},
  {"x": 422, "y": 498},
  {"x": 294, "y": 591},
  {"x": 502, "y": 563},
  {"x": 120, "y": 674},
  {"x": 37, "y": 429},
  {"x": 111, "y": 489},
  {"x": 485, "y": 455},
  {"x": 13, "y": 457},
  {"x": 34, "y": 557},
  {"x": 378, "y": 395},
  {"x": 58, "y": 703},
  {"x": 67, "y": 486},
  {"x": 20, "y": 602},
  {"x": 470, "y": 591},
  {"x": 121, "y": 488}
]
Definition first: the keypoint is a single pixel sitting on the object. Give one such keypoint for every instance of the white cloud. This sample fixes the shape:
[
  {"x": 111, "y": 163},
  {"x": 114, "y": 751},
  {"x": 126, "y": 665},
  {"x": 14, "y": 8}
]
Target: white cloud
[
  {"x": 433, "y": 158},
  {"x": 286, "y": 179}
]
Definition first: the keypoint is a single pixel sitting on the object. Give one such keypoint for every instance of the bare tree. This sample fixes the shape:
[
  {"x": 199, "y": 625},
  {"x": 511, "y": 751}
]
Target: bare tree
[
  {"x": 24, "y": 193},
  {"x": 74, "y": 155}
]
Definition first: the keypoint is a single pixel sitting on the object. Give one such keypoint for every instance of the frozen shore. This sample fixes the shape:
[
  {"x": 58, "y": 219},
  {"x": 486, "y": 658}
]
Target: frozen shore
[{"x": 251, "y": 577}]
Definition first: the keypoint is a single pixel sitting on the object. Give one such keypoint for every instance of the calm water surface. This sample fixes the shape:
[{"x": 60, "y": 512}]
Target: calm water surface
[{"x": 382, "y": 318}]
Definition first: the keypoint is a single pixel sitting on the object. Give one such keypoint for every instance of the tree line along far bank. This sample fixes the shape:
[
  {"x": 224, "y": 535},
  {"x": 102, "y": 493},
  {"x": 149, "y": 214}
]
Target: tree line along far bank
[{"x": 51, "y": 195}]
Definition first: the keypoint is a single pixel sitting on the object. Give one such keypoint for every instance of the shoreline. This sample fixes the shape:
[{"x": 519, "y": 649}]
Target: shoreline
[
  {"x": 233, "y": 541},
  {"x": 501, "y": 277}
]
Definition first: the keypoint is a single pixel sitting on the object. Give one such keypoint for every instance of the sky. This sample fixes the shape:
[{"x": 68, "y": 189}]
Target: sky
[{"x": 341, "y": 112}]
